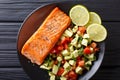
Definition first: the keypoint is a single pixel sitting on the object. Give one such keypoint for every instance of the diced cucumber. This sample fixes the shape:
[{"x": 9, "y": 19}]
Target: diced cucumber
[
  {"x": 76, "y": 36},
  {"x": 65, "y": 72},
  {"x": 63, "y": 78},
  {"x": 75, "y": 28},
  {"x": 75, "y": 53},
  {"x": 75, "y": 40},
  {"x": 84, "y": 42},
  {"x": 50, "y": 73},
  {"x": 65, "y": 53},
  {"x": 88, "y": 63},
  {"x": 59, "y": 58},
  {"x": 51, "y": 63},
  {"x": 59, "y": 63},
  {"x": 66, "y": 65},
  {"x": 72, "y": 62},
  {"x": 52, "y": 77},
  {"x": 80, "y": 51},
  {"x": 80, "y": 39},
  {"x": 79, "y": 70},
  {"x": 78, "y": 45},
  {"x": 86, "y": 36},
  {"x": 68, "y": 57},
  {"x": 45, "y": 64},
  {"x": 91, "y": 57},
  {"x": 55, "y": 69},
  {"x": 68, "y": 33},
  {"x": 45, "y": 67},
  {"x": 71, "y": 48},
  {"x": 87, "y": 67}
]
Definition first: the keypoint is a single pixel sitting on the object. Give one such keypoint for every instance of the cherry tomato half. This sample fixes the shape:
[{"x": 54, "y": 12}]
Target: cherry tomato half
[{"x": 87, "y": 50}]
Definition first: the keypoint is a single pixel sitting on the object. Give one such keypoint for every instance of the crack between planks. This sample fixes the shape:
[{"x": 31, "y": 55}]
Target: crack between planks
[{"x": 11, "y": 66}]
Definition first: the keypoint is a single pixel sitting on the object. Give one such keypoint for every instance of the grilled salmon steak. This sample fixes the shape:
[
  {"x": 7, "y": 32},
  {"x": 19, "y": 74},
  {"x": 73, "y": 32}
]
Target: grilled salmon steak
[{"x": 38, "y": 46}]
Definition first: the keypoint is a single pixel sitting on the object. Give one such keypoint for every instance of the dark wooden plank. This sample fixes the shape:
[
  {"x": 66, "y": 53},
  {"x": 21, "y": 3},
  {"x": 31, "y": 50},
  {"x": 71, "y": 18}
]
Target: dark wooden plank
[
  {"x": 107, "y": 73},
  {"x": 16, "y": 11},
  {"x": 8, "y": 54},
  {"x": 13, "y": 74},
  {"x": 9, "y": 59},
  {"x": 19, "y": 74},
  {"x": 28, "y": 1},
  {"x": 112, "y": 45},
  {"x": 13, "y": 10},
  {"x": 8, "y": 35}
]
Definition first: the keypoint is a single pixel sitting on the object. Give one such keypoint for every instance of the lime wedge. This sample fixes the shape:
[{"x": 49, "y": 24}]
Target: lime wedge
[
  {"x": 79, "y": 15},
  {"x": 97, "y": 32},
  {"x": 94, "y": 18}
]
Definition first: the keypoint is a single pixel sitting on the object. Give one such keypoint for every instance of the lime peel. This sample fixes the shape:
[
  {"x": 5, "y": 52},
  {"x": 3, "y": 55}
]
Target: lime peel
[
  {"x": 97, "y": 32},
  {"x": 94, "y": 18},
  {"x": 79, "y": 15}
]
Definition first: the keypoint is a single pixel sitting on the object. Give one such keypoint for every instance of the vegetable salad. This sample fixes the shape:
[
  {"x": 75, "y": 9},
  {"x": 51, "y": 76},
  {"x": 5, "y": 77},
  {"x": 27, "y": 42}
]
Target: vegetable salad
[{"x": 72, "y": 55}]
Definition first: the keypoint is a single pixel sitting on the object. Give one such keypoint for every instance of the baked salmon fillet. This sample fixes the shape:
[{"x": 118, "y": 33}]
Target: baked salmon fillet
[{"x": 38, "y": 46}]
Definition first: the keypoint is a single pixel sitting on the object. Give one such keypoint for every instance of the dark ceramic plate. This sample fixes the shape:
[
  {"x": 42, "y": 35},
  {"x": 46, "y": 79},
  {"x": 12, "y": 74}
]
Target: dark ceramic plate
[{"x": 31, "y": 24}]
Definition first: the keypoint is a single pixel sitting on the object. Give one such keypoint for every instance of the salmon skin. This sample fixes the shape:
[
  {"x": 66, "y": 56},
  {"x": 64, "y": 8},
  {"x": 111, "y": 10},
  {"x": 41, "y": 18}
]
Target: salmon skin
[{"x": 38, "y": 46}]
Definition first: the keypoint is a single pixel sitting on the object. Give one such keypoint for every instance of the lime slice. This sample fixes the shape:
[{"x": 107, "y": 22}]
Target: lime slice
[
  {"x": 79, "y": 15},
  {"x": 97, "y": 32},
  {"x": 94, "y": 18}
]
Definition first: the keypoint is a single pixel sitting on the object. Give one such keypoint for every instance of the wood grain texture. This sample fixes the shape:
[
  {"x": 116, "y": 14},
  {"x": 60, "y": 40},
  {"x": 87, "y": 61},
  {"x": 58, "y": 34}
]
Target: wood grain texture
[
  {"x": 12, "y": 14},
  {"x": 13, "y": 74},
  {"x": 107, "y": 73},
  {"x": 13, "y": 10}
]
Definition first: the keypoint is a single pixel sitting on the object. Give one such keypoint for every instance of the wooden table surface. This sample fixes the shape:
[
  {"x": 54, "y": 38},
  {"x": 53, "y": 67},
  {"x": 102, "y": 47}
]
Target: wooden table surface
[{"x": 12, "y": 14}]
